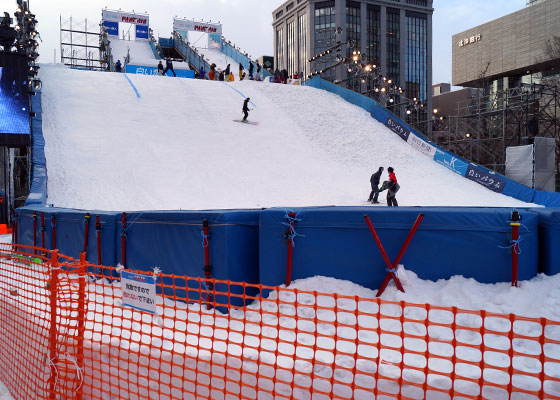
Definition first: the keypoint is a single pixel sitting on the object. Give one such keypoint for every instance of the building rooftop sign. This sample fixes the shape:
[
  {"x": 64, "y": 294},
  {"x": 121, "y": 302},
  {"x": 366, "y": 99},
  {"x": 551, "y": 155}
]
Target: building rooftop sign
[{"x": 470, "y": 40}]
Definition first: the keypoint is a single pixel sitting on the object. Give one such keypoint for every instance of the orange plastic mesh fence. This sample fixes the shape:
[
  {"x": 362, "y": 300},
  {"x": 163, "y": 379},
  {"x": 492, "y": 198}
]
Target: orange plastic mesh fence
[{"x": 66, "y": 335}]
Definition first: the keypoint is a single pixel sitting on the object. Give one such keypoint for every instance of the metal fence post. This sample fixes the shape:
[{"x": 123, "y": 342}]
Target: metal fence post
[{"x": 53, "y": 331}]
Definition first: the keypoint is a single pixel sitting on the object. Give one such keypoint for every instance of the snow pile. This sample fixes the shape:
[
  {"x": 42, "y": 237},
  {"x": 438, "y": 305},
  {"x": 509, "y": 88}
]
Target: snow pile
[
  {"x": 220, "y": 59},
  {"x": 138, "y": 49},
  {"x": 177, "y": 147}
]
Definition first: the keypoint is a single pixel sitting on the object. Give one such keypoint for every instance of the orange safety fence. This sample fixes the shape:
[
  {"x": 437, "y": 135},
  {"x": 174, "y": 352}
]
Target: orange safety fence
[{"x": 65, "y": 334}]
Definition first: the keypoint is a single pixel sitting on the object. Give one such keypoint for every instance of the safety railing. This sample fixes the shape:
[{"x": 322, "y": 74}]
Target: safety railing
[
  {"x": 66, "y": 334},
  {"x": 229, "y": 50},
  {"x": 189, "y": 52}
]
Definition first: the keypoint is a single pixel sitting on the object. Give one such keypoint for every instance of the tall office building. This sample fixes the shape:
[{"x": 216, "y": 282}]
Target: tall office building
[{"x": 395, "y": 35}]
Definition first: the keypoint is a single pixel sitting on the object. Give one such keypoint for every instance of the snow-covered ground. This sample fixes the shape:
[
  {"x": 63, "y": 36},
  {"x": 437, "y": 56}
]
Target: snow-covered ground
[
  {"x": 177, "y": 147},
  {"x": 140, "y": 53},
  {"x": 220, "y": 59}
]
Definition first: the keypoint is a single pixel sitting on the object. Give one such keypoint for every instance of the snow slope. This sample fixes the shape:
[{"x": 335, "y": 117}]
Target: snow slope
[
  {"x": 177, "y": 147},
  {"x": 220, "y": 59}
]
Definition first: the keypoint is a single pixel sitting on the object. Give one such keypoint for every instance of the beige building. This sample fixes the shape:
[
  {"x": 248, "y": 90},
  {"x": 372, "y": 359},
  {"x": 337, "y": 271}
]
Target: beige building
[{"x": 508, "y": 51}]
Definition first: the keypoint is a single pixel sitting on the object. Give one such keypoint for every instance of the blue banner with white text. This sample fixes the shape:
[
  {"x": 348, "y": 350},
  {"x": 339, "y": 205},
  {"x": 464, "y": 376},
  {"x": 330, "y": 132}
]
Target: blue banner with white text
[
  {"x": 141, "y": 32},
  {"x": 112, "y": 28},
  {"x": 143, "y": 70}
]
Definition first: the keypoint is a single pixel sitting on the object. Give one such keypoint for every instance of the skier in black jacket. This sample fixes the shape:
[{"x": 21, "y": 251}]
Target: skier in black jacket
[
  {"x": 169, "y": 66},
  {"x": 374, "y": 180},
  {"x": 245, "y": 109}
]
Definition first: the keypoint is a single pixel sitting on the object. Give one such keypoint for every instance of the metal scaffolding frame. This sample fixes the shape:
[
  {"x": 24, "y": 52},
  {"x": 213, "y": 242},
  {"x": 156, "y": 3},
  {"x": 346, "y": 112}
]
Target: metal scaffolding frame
[
  {"x": 80, "y": 47},
  {"x": 485, "y": 125}
]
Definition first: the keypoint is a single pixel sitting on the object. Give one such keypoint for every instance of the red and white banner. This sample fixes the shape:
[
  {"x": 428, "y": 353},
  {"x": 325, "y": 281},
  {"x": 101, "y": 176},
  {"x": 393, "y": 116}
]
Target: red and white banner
[
  {"x": 122, "y": 16},
  {"x": 180, "y": 24}
]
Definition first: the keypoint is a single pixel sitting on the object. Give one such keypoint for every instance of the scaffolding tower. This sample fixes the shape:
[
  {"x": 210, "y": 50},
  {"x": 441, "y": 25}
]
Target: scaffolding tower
[
  {"x": 485, "y": 125},
  {"x": 82, "y": 45}
]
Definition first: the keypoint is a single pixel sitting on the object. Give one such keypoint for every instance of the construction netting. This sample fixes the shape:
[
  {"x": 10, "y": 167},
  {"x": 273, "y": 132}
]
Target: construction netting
[{"x": 67, "y": 332}]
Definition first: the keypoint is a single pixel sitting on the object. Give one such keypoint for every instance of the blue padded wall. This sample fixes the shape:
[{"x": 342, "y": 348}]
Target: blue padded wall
[{"x": 450, "y": 241}]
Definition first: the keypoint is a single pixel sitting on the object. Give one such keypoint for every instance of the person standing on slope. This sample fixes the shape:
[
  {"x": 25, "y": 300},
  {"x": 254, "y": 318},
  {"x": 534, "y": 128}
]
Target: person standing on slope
[
  {"x": 118, "y": 66},
  {"x": 374, "y": 180},
  {"x": 169, "y": 66},
  {"x": 245, "y": 109},
  {"x": 160, "y": 68},
  {"x": 393, "y": 187},
  {"x": 241, "y": 71},
  {"x": 251, "y": 70}
]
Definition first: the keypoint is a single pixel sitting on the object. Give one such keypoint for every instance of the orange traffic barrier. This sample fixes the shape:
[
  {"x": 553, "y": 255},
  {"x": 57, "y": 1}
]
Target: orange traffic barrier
[
  {"x": 67, "y": 334},
  {"x": 3, "y": 229}
]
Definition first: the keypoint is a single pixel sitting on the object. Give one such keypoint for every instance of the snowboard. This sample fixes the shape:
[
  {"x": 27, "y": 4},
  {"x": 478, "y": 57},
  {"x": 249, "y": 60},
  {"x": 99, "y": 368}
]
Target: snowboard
[{"x": 245, "y": 122}]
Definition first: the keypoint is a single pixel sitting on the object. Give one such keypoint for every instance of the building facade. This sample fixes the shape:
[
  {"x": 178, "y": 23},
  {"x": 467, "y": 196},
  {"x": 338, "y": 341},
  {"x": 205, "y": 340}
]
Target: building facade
[
  {"x": 394, "y": 35},
  {"x": 509, "y": 51}
]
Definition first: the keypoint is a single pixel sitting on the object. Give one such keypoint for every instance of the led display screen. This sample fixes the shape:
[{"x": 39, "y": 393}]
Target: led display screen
[{"x": 14, "y": 98}]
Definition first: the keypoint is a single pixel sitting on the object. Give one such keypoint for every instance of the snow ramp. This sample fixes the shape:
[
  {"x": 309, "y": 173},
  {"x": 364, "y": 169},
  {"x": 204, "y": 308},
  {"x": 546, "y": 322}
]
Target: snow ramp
[{"x": 133, "y": 142}]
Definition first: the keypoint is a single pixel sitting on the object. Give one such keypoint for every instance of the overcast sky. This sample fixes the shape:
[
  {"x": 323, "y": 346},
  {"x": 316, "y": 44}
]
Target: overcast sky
[{"x": 248, "y": 22}]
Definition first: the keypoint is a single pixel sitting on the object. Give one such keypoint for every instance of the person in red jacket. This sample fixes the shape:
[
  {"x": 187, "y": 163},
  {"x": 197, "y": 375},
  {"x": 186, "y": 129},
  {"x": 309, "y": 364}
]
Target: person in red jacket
[{"x": 393, "y": 187}]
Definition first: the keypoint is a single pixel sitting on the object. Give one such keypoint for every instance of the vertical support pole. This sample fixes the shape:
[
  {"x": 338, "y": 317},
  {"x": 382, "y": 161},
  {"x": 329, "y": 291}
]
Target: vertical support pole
[
  {"x": 43, "y": 232},
  {"x": 123, "y": 240},
  {"x": 35, "y": 232},
  {"x": 515, "y": 224},
  {"x": 81, "y": 318},
  {"x": 290, "y": 250},
  {"x": 98, "y": 238},
  {"x": 207, "y": 266},
  {"x": 53, "y": 223},
  {"x": 15, "y": 227},
  {"x": 86, "y": 232},
  {"x": 53, "y": 331}
]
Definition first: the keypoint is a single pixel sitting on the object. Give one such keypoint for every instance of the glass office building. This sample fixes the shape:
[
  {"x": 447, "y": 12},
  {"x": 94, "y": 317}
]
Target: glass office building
[{"x": 395, "y": 35}]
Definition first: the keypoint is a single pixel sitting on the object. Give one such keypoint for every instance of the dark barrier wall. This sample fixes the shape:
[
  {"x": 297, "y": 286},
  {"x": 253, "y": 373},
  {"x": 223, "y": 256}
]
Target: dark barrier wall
[
  {"x": 549, "y": 240},
  {"x": 336, "y": 242},
  {"x": 172, "y": 241},
  {"x": 38, "y": 192}
]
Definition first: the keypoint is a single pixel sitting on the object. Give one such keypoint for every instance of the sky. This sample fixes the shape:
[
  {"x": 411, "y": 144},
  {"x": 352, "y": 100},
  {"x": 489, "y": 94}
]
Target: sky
[{"x": 248, "y": 23}]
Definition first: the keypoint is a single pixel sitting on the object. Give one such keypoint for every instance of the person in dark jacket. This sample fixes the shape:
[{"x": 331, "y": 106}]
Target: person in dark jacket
[
  {"x": 202, "y": 73},
  {"x": 374, "y": 180},
  {"x": 251, "y": 70},
  {"x": 259, "y": 77},
  {"x": 284, "y": 76},
  {"x": 160, "y": 68},
  {"x": 277, "y": 76},
  {"x": 118, "y": 66},
  {"x": 221, "y": 76},
  {"x": 241, "y": 73},
  {"x": 393, "y": 187},
  {"x": 246, "y": 109},
  {"x": 169, "y": 66},
  {"x": 228, "y": 70}
]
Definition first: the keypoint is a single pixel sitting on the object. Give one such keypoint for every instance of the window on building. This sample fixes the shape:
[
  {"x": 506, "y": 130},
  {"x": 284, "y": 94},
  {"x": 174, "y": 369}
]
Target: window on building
[
  {"x": 353, "y": 24},
  {"x": 291, "y": 56},
  {"x": 373, "y": 34},
  {"x": 303, "y": 53},
  {"x": 325, "y": 36},
  {"x": 393, "y": 45},
  {"x": 416, "y": 73},
  {"x": 280, "y": 45}
]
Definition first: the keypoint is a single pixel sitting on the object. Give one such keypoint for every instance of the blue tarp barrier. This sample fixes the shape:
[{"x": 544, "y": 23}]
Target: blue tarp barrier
[
  {"x": 549, "y": 240},
  {"x": 548, "y": 199},
  {"x": 38, "y": 192},
  {"x": 70, "y": 230},
  {"x": 171, "y": 241},
  {"x": 450, "y": 241}
]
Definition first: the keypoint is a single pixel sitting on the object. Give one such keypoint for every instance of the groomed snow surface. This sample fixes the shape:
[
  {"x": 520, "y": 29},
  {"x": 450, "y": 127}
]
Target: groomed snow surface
[{"x": 177, "y": 147}]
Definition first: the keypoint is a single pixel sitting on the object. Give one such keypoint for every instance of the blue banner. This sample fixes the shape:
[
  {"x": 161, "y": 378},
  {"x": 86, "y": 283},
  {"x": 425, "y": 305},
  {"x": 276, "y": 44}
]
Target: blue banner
[
  {"x": 112, "y": 28},
  {"x": 398, "y": 128},
  {"x": 451, "y": 162},
  {"x": 485, "y": 178},
  {"x": 141, "y": 32},
  {"x": 143, "y": 70}
]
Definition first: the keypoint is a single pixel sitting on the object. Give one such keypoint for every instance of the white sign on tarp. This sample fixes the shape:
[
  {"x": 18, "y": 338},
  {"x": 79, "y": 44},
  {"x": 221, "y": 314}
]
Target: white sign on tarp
[
  {"x": 181, "y": 24},
  {"x": 127, "y": 17},
  {"x": 139, "y": 291}
]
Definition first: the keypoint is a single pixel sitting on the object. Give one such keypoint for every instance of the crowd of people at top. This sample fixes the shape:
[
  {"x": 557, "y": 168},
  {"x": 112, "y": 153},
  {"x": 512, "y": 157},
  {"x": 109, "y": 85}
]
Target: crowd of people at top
[{"x": 215, "y": 74}]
